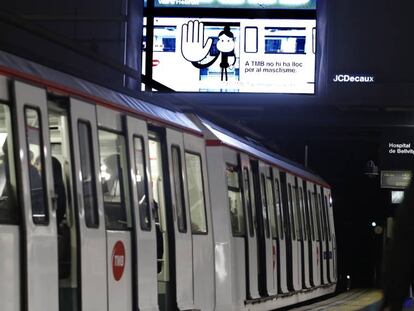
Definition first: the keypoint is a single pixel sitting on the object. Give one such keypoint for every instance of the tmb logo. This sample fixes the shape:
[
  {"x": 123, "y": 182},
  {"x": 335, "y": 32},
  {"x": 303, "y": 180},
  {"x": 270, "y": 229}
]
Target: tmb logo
[{"x": 353, "y": 79}]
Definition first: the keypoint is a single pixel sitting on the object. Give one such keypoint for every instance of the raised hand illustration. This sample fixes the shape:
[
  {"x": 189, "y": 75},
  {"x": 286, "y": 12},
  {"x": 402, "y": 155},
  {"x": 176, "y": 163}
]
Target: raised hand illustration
[{"x": 193, "y": 47}]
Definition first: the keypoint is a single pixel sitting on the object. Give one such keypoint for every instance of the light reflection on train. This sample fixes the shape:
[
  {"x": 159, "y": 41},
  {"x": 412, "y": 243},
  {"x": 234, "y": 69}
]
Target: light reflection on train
[{"x": 111, "y": 203}]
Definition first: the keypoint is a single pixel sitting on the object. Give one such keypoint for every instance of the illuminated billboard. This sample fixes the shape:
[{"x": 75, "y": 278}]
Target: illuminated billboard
[
  {"x": 240, "y": 4},
  {"x": 235, "y": 55}
]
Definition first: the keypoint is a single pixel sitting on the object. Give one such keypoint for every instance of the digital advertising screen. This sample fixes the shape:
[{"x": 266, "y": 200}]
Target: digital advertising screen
[{"x": 234, "y": 55}]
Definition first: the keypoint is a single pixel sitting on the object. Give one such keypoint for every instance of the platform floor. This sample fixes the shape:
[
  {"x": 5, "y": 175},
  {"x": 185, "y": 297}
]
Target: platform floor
[{"x": 354, "y": 300}]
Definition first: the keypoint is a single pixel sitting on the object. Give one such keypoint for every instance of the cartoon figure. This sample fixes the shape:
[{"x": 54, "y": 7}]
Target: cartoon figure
[{"x": 195, "y": 50}]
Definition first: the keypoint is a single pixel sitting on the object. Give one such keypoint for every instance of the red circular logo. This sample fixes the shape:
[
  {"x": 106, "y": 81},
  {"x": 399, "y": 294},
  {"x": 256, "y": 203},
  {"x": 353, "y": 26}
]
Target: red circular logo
[{"x": 118, "y": 260}]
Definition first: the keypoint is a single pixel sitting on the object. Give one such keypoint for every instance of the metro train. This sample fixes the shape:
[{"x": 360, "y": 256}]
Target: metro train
[{"x": 112, "y": 203}]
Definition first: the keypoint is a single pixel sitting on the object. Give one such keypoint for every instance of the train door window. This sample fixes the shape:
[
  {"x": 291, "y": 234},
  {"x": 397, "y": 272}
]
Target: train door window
[
  {"x": 279, "y": 211},
  {"x": 265, "y": 205},
  {"x": 291, "y": 213},
  {"x": 311, "y": 216},
  {"x": 87, "y": 175},
  {"x": 235, "y": 201},
  {"x": 271, "y": 207},
  {"x": 303, "y": 213},
  {"x": 327, "y": 219},
  {"x": 316, "y": 218},
  {"x": 8, "y": 206},
  {"x": 248, "y": 200},
  {"x": 320, "y": 216},
  {"x": 36, "y": 162},
  {"x": 114, "y": 180},
  {"x": 196, "y": 193},
  {"x": 141, "y": 184},
  {"x": 178, "y": 189},
  {"x": 296, "y": 213}
]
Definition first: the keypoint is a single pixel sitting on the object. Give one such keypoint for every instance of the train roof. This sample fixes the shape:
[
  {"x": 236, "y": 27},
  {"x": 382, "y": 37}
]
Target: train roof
[
  {"x": 20, "y": 68},
  {"x": 224, "y": 137}
]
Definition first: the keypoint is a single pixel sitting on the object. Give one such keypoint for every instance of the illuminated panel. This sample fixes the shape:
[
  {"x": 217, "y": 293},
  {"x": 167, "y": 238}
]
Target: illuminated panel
[
  {"x": 239, "y": 4},
  {"x": 235, "y": 55}
]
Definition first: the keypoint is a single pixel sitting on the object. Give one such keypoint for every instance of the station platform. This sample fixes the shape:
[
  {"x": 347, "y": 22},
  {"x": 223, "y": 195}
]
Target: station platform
[{"x": 354, "y": 300}]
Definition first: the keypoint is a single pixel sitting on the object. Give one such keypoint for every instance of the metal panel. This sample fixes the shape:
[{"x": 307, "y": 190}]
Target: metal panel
[
  {"x": 10, "y": 296},
  {"x": 119, "y": 267},
  {"x": 92, "y": 240},
  {"x": 203, "y": 245},
  {"x": 183, "y": 241},
  {"x": 108, "y": 118},
  {"x": 41, "y": 262},
  {"x": 145, "y": 241}
]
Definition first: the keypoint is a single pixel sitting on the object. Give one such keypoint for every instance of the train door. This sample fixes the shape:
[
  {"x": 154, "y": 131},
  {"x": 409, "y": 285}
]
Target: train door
[
  {"x": 92, "y": 244},
  {"x": 324, "y": 270},
  {"x": 252, "y": 290},
  {"x": 10, "y": 220},
  {"x": 146, "y": 230},
  {"x": 305, "y": 235},
  {"x": 296, "y": 233},
  {"x": 280, "y": 235},
  {"x": 200, "y": 222},
  {"x": 114, "y": 182},
  {"x": 334, "y": 250},
  {"x": 270, "y": 195},
  {"x": 38, "y": 200},
  {"x": 174, "y": 244},
  {"x": 329, "y": 223},
  {"x": 314, "y": 236},
  {"x": 263, "y": 230}
]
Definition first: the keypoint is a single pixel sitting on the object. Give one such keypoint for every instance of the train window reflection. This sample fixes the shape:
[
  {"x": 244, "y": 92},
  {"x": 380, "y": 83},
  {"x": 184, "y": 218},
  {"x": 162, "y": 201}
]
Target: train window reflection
[
  {"x": 196, "y": 193},
  {"x": 235, "y": 201},
  {"x": 271, "y": 206},
  {"x": 87, "y": 172},
  {"x": 35, "y": 163},
  {"x": 113, "y": 179},
  {"x": 178, "y": 188},
  {"x": 8, "y": 207},
  {"x": 141, "y": 184},
  {"x": 279, "y": 211},
  {"x": 248, "y": 201}
]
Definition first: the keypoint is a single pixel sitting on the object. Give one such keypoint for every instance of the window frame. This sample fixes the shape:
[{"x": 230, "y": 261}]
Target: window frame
[
  {"x": 281, "y": 226},
  {"x": 247, "y": 194},
  {"x": 203, "y": 190}
]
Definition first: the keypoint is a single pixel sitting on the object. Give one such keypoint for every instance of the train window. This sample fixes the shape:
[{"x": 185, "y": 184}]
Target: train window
[
  {"x": 8, "y": 206},
  {"x": 196, "y": 193},
  {"x": 87, "y": 173},
  {"x": 316, "y": 216},
  {"x": 279, "y": 211},
  {"x": 320, "y": 215},
  {"x": 311, "y": 216},
  {"x": 271, "y": 207},
  {"x": 141, "y": 184},
  {"x": 305, "y": 223},
  {"x": 291, "y": 213},
  {"x": 178, "y": 189},
  {"x": 114, "y": 179},
  {"x": 235, "y": 201},
  {"x": 248, "y": 200},
  {"x": 296, "y": 212},
  {"x": 265, "y": 205},
  {"x": 327, "y": 218},
  {"x": 36, "y": 166}
]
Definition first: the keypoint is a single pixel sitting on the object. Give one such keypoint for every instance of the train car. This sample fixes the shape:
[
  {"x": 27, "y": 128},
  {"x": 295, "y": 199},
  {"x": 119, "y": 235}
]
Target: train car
[
  {"x": 108, "y": 202},
  {"x": 266, "y": 245}
]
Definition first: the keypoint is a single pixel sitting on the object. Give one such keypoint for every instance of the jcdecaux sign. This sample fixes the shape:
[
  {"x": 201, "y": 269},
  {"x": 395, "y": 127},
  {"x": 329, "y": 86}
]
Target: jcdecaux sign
[{"x": 341, "y": 78}]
